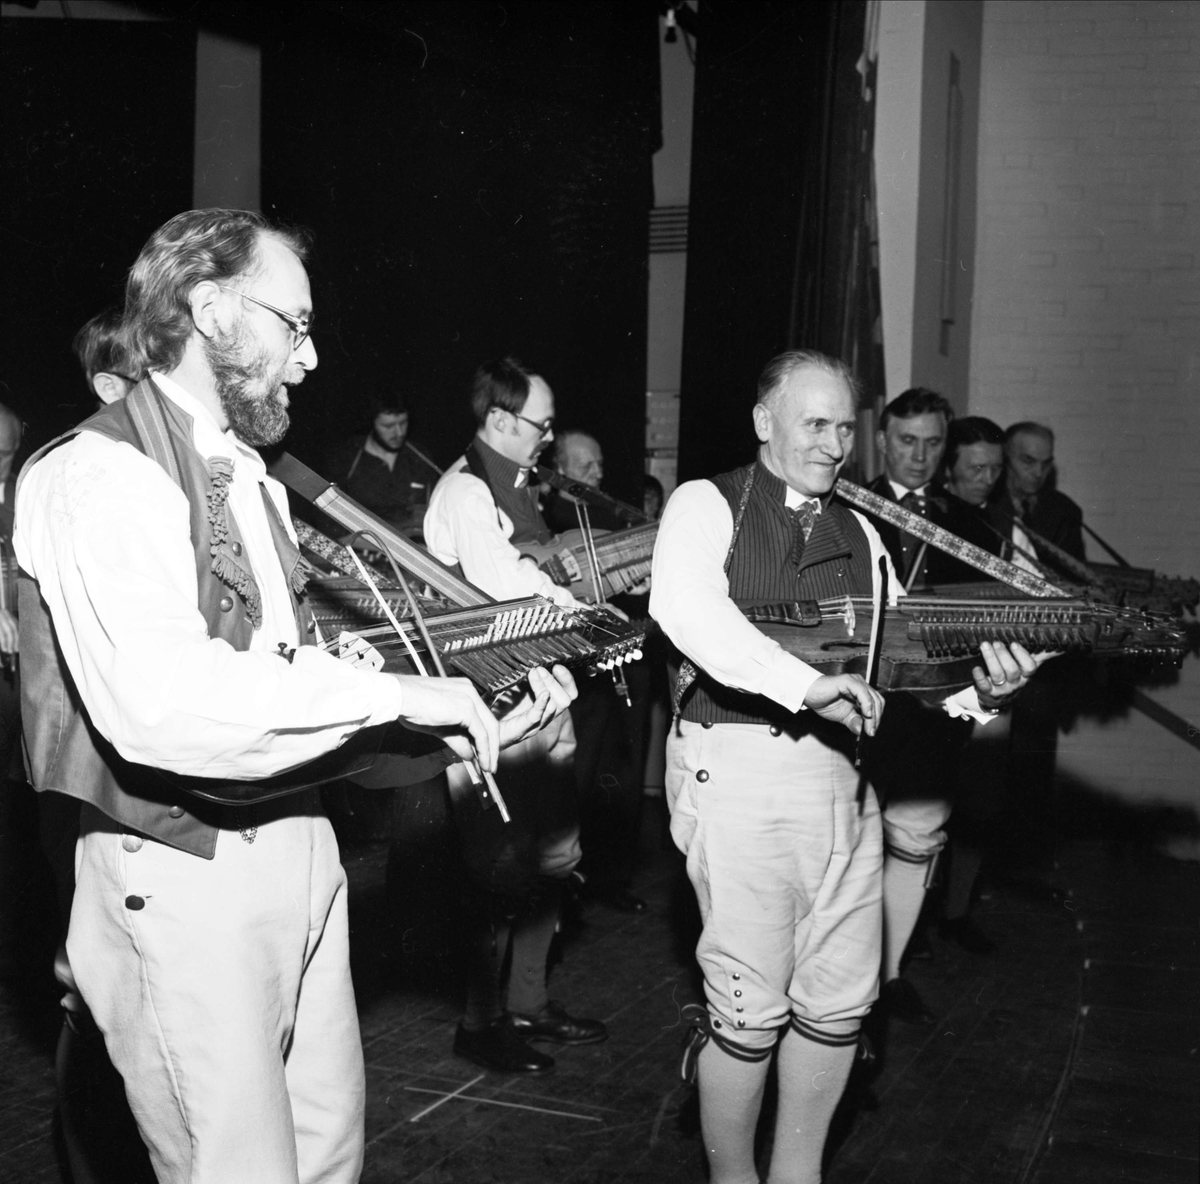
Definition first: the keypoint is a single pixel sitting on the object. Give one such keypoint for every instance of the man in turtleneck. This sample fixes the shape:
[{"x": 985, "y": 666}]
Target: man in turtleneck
[{"x": 482, "y": 511}]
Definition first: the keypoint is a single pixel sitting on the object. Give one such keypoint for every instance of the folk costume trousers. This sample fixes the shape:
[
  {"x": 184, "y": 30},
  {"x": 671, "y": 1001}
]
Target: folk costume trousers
[
  {"x": 223, "y": 991},
  {"x": 785, "y": 859}
]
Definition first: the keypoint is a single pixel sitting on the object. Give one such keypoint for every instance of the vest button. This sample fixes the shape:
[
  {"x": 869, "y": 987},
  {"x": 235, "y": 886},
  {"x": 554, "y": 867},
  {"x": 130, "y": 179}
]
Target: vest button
[
  {"x": 736, "y": 977},
  {"x": 176, "y": 811},
  {"x": 775, "y": 730},
  {"x": 134, "y": 903},
  {"x": 226, "y": 603},
  {"x": 707, "y": 724},
  {"x": 131, "y": 843},
  {"x": 235, "y": 547},
  {"x": 701, "y": 775},
  {"x": 737, "y": 994}
]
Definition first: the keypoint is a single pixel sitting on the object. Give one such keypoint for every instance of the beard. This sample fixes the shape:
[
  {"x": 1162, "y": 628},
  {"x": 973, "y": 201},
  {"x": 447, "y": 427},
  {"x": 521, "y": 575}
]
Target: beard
[
  {"x": 250, "y": 389},
  {"x": 387, "y": 447}
]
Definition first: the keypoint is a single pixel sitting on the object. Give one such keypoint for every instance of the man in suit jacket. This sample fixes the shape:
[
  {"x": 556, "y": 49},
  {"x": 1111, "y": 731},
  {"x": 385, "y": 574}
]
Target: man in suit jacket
[
  {"x": 916, "y": 749},
  {"x": 974, "y": 461},
  {"x": 1027, "y": 496},
  {"x": 912, "y": 439}
]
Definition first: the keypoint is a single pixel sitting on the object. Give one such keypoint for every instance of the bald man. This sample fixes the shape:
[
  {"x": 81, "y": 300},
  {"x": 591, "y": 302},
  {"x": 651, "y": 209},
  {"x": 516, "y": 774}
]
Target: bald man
[
  {"x": 610, "y": 732},
  {"x": 579, "y": 456}
]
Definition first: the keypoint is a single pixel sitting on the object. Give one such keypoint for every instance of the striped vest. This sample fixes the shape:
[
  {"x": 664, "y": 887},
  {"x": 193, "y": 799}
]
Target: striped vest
[{"x": 768, "y": 567}]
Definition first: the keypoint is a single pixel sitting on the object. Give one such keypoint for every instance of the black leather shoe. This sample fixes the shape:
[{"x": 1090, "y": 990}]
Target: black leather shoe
[
  {"x": 900, "y": 1001},
  {"x": 964, "y": 932},
  {"x": 499, "y": 1048},
  {"x": 553, "y": 1023},
  {"x": 622, "y": 900}
]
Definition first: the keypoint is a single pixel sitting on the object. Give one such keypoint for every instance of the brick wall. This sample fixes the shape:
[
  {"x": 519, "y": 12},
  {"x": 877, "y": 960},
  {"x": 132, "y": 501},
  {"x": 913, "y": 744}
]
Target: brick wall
[{"x": 1087, "y": 295}]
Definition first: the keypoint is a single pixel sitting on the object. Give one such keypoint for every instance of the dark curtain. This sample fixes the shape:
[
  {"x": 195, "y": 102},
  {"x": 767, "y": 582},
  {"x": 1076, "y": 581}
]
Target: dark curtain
[
  {"x": 478, "y": 180},
  {"x": 99, "y": 119},
  {"x": 778, "y": 255}
]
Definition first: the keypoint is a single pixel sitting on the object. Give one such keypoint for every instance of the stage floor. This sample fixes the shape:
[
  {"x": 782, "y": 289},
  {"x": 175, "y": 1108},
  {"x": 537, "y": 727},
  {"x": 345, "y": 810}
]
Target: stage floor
[{"x": 1071, "y": 1055}]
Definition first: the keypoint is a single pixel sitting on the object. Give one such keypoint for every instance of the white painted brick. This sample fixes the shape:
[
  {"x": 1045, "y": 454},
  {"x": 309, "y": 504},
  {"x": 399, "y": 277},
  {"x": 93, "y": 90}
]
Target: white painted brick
[{"x": 1088, "y": 275}]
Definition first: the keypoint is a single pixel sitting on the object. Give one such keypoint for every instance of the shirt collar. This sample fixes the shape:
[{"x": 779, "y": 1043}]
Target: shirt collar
[
  {"x": 502, "y": 470},
  {"x": 772, "y": 486},
  {"x": 207, "y": 437},
  {"x": 793, "y": 500},
  {"x": 899, "y": 491}
]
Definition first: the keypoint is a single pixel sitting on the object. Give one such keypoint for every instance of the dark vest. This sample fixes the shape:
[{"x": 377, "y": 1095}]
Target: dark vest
[
  {"x": 498, "y": 473},
  {"x": 767, "y": 567},
  {"x": 64, "y": 751}
]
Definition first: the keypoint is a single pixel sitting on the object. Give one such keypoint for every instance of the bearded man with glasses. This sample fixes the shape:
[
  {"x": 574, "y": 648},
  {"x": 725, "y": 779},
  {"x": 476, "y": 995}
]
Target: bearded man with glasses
[{"x": 167, "y": 647}]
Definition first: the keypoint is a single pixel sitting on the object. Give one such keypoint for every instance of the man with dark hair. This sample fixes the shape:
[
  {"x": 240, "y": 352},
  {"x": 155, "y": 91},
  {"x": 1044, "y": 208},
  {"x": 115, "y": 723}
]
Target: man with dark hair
[
  {"x": 167, "y": 653},
  {"x": 763, "y": 792},
  {"x": 1027, "y": 496},
  {"x": 382, "y": 469},
  {"x": 911, "y": 439},
  {"x": 974, "y": 458},
  {"x": 482, "y": 512},
  {"x": 102, "y": 348},
  {"x": 918, "y": 746},
  {"x": 972, "y": 465}
]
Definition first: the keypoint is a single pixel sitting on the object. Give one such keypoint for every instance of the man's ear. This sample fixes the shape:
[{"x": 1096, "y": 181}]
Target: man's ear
[
  {"x": 880, "y": 441},
  {"x": 504, "y": 423},
  {"x": 109, "y": 388},
  {"x": 762, "y": 422},
  {"x": 204, "y": 302}
]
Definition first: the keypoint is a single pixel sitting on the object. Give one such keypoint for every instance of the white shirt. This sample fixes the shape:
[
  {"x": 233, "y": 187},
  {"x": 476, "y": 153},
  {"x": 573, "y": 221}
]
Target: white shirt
[
  {"x": 898, "y": 491},
  {"x": 689, "y": 598},
  {"x": 464, "y": 525},
  {"x": 106, "y": 533},
  {"x": 1023, "y": 542}
]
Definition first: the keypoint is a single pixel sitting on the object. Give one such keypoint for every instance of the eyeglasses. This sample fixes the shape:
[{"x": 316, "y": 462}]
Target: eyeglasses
[
  {"x": 300, "y": 328},
  {"x": 544, "y": 427}
]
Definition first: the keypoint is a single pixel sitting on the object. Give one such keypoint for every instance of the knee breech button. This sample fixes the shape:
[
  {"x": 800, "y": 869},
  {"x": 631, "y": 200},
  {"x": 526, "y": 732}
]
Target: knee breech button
[
  {"x": 702, "y": 775},
  {"x": 133, "y": 903},
  {"x": 131, "y": 843}
]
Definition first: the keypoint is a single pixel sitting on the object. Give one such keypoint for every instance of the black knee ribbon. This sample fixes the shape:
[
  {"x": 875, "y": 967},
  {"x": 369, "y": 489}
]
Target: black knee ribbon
[
  {"x": 703, "y": 1028},
  {"x": 841, "y": 1040}
]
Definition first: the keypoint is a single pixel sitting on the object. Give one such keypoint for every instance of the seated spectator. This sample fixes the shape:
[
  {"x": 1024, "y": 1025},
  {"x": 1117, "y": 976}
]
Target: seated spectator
[{"x": 382, "y": 470}]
